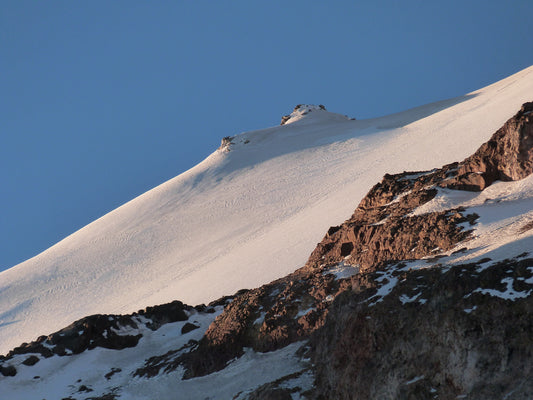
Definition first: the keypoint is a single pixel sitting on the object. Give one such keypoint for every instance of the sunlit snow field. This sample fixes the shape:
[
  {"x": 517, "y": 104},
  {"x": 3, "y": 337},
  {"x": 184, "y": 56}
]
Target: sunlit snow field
[{"x": 243, "y": 217}]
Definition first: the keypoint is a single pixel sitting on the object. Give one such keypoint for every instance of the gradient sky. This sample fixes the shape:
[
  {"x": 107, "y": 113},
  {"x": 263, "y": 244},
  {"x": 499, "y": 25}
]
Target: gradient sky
[{"x": 101, "y": 101}]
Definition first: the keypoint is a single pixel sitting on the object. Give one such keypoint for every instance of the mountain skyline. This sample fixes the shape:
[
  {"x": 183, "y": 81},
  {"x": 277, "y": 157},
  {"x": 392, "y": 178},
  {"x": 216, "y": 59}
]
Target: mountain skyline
[
  {"x": 102, "y": 102},
  {"x": 290, "y": 200},
  {"x": 425, "y": 291},
  {"x": 246, "y": 215}
]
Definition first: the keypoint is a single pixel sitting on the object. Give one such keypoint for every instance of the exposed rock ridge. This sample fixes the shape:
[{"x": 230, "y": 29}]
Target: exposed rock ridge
[
  {"x": 463, "y": 331},
  {"x": 301, "y": 110},
  {"x": 507, "y": 156},
  {"x": 107, "y": 331},
  {"x": 265, "y": 319},
  {"x": 382, "y": 229}
]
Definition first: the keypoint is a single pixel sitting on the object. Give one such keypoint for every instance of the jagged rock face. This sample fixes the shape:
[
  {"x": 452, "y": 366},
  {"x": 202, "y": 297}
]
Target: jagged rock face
[
  {"x": 381, "y": 228},
  {"x": 266, "y": 392},
  {"x": 459, "y": 332},
  {"x": 265, "y": 319},
  {"x": 508, "y": 155},
  {"x": 435, "y": 335}
]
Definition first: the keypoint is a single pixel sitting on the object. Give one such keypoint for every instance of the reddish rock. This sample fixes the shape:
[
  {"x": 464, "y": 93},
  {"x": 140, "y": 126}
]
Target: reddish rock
[{"x": 507, "y": 156}]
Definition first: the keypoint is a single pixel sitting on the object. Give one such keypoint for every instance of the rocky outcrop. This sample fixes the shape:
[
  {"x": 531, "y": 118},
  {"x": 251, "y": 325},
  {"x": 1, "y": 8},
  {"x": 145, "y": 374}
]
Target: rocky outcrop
[
  {"x": 106, "y": 331},
  {"x": 507, "y": 156},
  {"x": 300, "y": 110},
  {"x": 284, "y": 119},
  {"x": 443, "y": 332},
  {"x": 265, "y": 319},
  {"x": 225, "y": 143},
  {"x": 382, "y": 228}
]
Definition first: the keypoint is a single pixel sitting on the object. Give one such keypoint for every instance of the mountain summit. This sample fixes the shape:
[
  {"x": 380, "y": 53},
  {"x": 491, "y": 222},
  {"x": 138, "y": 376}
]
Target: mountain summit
[{"x": 311, "y": 113}]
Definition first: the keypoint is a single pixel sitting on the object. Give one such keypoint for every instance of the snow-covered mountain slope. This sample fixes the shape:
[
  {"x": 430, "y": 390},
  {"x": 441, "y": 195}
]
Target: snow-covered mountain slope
[
  {"x": 251, "y": 212},
  {"x": 425, "y": 291}
]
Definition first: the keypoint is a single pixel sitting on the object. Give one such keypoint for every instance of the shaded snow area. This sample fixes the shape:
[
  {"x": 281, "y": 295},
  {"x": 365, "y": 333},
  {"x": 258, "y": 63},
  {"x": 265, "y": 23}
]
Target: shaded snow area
[
  {"x": 509, "y": 293},
  {"x": 343, "y": 270},
  {"x": 97, "y": 372},
  {"x": 250, "y": 213},
  {"x": 505, "y": 224},
  {"x": 386, "y": 282},
  {"x": 239, "y": 378},
  {"x": 101, "y": 372}
]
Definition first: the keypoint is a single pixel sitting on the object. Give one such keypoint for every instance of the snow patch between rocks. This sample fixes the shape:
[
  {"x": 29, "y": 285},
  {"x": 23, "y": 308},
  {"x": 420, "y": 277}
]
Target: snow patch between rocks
[
  {"x": 389, "y": 282},
  {"x": 343, "y": 270},
  {"x": 508, "y": 294}
]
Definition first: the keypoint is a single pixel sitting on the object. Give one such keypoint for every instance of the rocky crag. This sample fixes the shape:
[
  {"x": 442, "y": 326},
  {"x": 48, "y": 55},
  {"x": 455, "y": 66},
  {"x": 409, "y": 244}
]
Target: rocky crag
[
  {"x": 381, "y": 308},
  {"x": 300, "y": 110},
  {"x": 106, "y": 331}
]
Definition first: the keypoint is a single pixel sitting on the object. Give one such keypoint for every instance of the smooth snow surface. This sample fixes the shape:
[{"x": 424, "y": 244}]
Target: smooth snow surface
[{"x": 242, "y": 217}]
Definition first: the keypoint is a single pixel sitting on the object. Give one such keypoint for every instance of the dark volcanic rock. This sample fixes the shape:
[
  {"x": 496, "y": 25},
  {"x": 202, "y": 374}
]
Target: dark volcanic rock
[
  {"x": 265, "y": 319},
  {"x": 165, "y": 313},
  {"x": 188, "y": 327},
  {"x": 87, "y": 333},
  {"x": 462, "y": 332},
  {"x": 113, "y": 371},
  {"x": 435, "y": 334},
  {"x": 8, "y": 370},
  {"x": 381, "y": 231},
  {"x": 31, "y": 360},
  {"x": 268, "y": 393},
  {"x": 381, "y": 228},
  {"x": 97, "y": 331}
]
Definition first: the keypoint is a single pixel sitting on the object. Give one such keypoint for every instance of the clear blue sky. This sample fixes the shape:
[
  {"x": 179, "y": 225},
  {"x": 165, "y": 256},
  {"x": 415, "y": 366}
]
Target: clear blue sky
[{"x": 103, "y": 100}]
